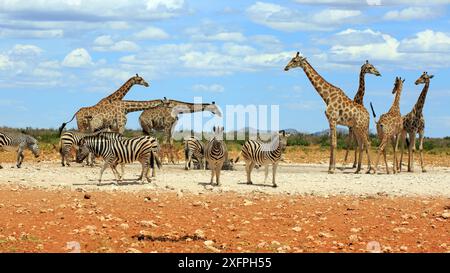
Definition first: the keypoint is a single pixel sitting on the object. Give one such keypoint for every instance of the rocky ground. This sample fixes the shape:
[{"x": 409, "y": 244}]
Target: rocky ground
[{"x": 47, "y": 208}]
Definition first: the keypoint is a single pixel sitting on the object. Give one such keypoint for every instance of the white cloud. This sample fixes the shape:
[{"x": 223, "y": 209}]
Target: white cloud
[
  {"x": 215, "y": 88},
  {"x": 287, "y": 19},
  {"x": 152, "y": 33},
  {"x": 5, "y": 62},
  {"x": 26, "y": 50},
  {"x": 427, "y": 41},
  {"x": 111, "y": 73},
  {"x": 38, "y": 34},
  {"x": 155, "y": 5},
  {"x": 221, "y": 36},
  {"x": 372, "y": 2},
  {"x": 104, "y": 40},
  {"x": 106, "y": 43},
  {"x": 77, "y": 58},
  {"x": 411, "y": 13}
]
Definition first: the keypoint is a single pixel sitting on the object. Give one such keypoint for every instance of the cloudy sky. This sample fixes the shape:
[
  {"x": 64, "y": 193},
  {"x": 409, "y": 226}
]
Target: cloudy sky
[{"x": 59, "y": 55}]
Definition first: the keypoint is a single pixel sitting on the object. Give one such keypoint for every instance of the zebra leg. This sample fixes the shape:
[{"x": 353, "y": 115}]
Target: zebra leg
[
  {"x": 102, "y": 170},
  {"x": 19, "y": 156},
  {"x": 212, "y": 175},
  {"x": 218, "y": 168},
  {"x": 249, "y": 165},
  {"x": 274, "y": 172}
]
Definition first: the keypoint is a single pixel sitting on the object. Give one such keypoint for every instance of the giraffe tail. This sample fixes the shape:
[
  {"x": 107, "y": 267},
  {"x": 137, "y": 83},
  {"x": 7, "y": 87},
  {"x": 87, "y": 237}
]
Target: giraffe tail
[
  {"x": 64, "y": 125},
  {"x": 373, "y": 111}
]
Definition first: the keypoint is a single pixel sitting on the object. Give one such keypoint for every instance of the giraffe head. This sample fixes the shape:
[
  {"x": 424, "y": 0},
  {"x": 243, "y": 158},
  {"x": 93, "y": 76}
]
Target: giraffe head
[
  {"x": 398, "y": 85},
  {"x": 297, "y": 61},
  {"x": 213, "y": 108},
  {"x": 424, "y": 78},
  {"x": 139, "y": 80},
  {"x": 368, "y": 68}
]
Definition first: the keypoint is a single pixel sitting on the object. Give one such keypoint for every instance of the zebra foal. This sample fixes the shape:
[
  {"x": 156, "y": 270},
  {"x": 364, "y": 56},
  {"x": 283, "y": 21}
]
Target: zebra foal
[
  {"x": 194, "y": 150},
  {"x": 114, "y": 152},
  {"x": 216, "y": 153},
  {"x": 22, "y": 142},
  {"x": 256, "y": 152}
]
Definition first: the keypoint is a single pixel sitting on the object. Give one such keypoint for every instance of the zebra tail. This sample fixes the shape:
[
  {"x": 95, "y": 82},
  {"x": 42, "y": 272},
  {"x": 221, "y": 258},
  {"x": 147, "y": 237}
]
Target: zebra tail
[
  {"x": 64, "y": 124},
  {"x": 157, "y": 159},
  {"x": 237, "y": 158}
]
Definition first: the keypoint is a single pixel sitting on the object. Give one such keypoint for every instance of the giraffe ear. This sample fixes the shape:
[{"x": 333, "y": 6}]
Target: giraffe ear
[
  {"x": 213, "y": 102},
  {"x": 403, "y": 80},
  {"x": 431, "y": 76},
  {"x": 137, "y": 75}
]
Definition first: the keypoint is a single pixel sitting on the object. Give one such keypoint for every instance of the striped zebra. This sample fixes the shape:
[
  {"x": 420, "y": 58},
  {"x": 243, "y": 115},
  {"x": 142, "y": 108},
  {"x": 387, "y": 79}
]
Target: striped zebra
[
  {"x": 194, "y": 151},
  {"x": 216, "y": 153},
  {"x": 71, "y": 139},
  {"x": 256, "y": 152},
  {"x": 114, "y": 152},
  {"x": 22, "y": 142}
]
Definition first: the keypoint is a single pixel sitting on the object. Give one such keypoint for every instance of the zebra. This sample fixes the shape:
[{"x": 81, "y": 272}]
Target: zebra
[
  {"x": 194, "y": 150},
  {"x": 22, "y": 141},
  {"x": 216, "y": 153},
  {"x": 256, "y": 152},
  {"x": 71, "y": 139},
  {"x": 114, "y": 152}
]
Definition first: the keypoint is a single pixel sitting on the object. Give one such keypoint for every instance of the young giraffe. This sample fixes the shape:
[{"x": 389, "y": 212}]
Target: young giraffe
[
  {"x": 414, "y": 123},
  {"x": 85, "y": 115},
  {"x": 366, "y": 68},
  {"x": 389, "y": 127},
  {"x": 340, "y": 110}
]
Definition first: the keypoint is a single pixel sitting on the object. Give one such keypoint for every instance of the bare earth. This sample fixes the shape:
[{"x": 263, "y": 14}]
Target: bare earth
[{"x": 44, "y": 206}]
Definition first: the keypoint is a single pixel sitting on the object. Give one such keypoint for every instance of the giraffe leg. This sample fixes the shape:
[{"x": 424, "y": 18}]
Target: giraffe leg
[
  {"x": 402, "y": 148},
  {"x": 421, "y": 135},
  {"x": 395, "y": 146},
  {"x": 385, "y": 161},
  {"x": 333, "y": 144},
  {"x": 359, "y": 147},
  {"x": 412, "y": 149},
  {"x": 366, "y": 142},
  {"x": 380, "y": 150},
  {"x": 349, "y": 144}
]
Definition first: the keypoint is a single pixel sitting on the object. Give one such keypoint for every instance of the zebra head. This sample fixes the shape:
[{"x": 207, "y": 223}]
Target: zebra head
[
  {"x": 283, "y": 139},
  {"x": 82, "y": 152}
]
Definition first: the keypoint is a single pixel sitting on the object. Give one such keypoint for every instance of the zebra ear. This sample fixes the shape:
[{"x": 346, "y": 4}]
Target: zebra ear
[{"x": 283, "y": 132}]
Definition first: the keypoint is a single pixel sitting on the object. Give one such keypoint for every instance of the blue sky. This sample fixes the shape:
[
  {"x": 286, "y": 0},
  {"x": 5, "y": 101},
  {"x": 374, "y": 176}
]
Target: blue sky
[{"x": 58, "y": 56}]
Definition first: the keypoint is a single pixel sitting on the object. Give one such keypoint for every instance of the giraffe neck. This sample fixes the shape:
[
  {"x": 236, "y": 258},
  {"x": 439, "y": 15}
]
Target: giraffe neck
[
  {"x": 129, "y": 106},
  {"x": 359, "y": 97},
  {"x": 120, "y": 93},
  {"x": 395, "y": 108},
  {"x": 421, "y": 100},
  {"x": 324, "y": 88},
  {"x": 192, "y": 107}
]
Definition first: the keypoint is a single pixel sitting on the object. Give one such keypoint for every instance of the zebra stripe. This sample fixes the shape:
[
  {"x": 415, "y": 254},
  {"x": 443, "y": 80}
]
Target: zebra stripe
[
  {"x": 114, "y": 152},
  {"x": 256, "y": 152},
  {"x": 22, "y": 141},
  {"x": 194, "y": 151},
  {"x": 216, "y": 154},
  {"x": 71, "y": 139}
]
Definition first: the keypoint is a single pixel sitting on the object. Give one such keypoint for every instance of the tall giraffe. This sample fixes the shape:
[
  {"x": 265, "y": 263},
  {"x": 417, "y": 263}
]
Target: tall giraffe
[
  {"x": 340, "y": 110},
  {"x": 85, "y": 115},
  {"x": 366, "y": 68},
  {"x": 389, "y": 127},
  {"x": 414, "y": 123},
  {"x": 164, "y": 117}
]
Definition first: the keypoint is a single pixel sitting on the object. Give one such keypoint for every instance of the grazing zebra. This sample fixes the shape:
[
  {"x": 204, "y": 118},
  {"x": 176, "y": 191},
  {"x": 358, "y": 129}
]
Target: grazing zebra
[
  {"x": 216, "y": 153},
  {"x": 256, "y": 152},
  {"x": 114, "y": 152},
  {"x": 22, "y": 141},
  {"x": 194, "y": 150},
  {"x": 71, "y": 139}
]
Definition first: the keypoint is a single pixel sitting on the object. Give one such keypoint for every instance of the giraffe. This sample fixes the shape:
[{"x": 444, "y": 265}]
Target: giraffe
[
  {"x": 389, "y": 127},
  {"x": 414, "y": 123},
  {"x": 85, "y": 115},
  {"x": 164, "y": 117},
  {"x": 115, "y": 114},
  {"x": 340, "y": 110},
  {"x": 366, "y": 68}
]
